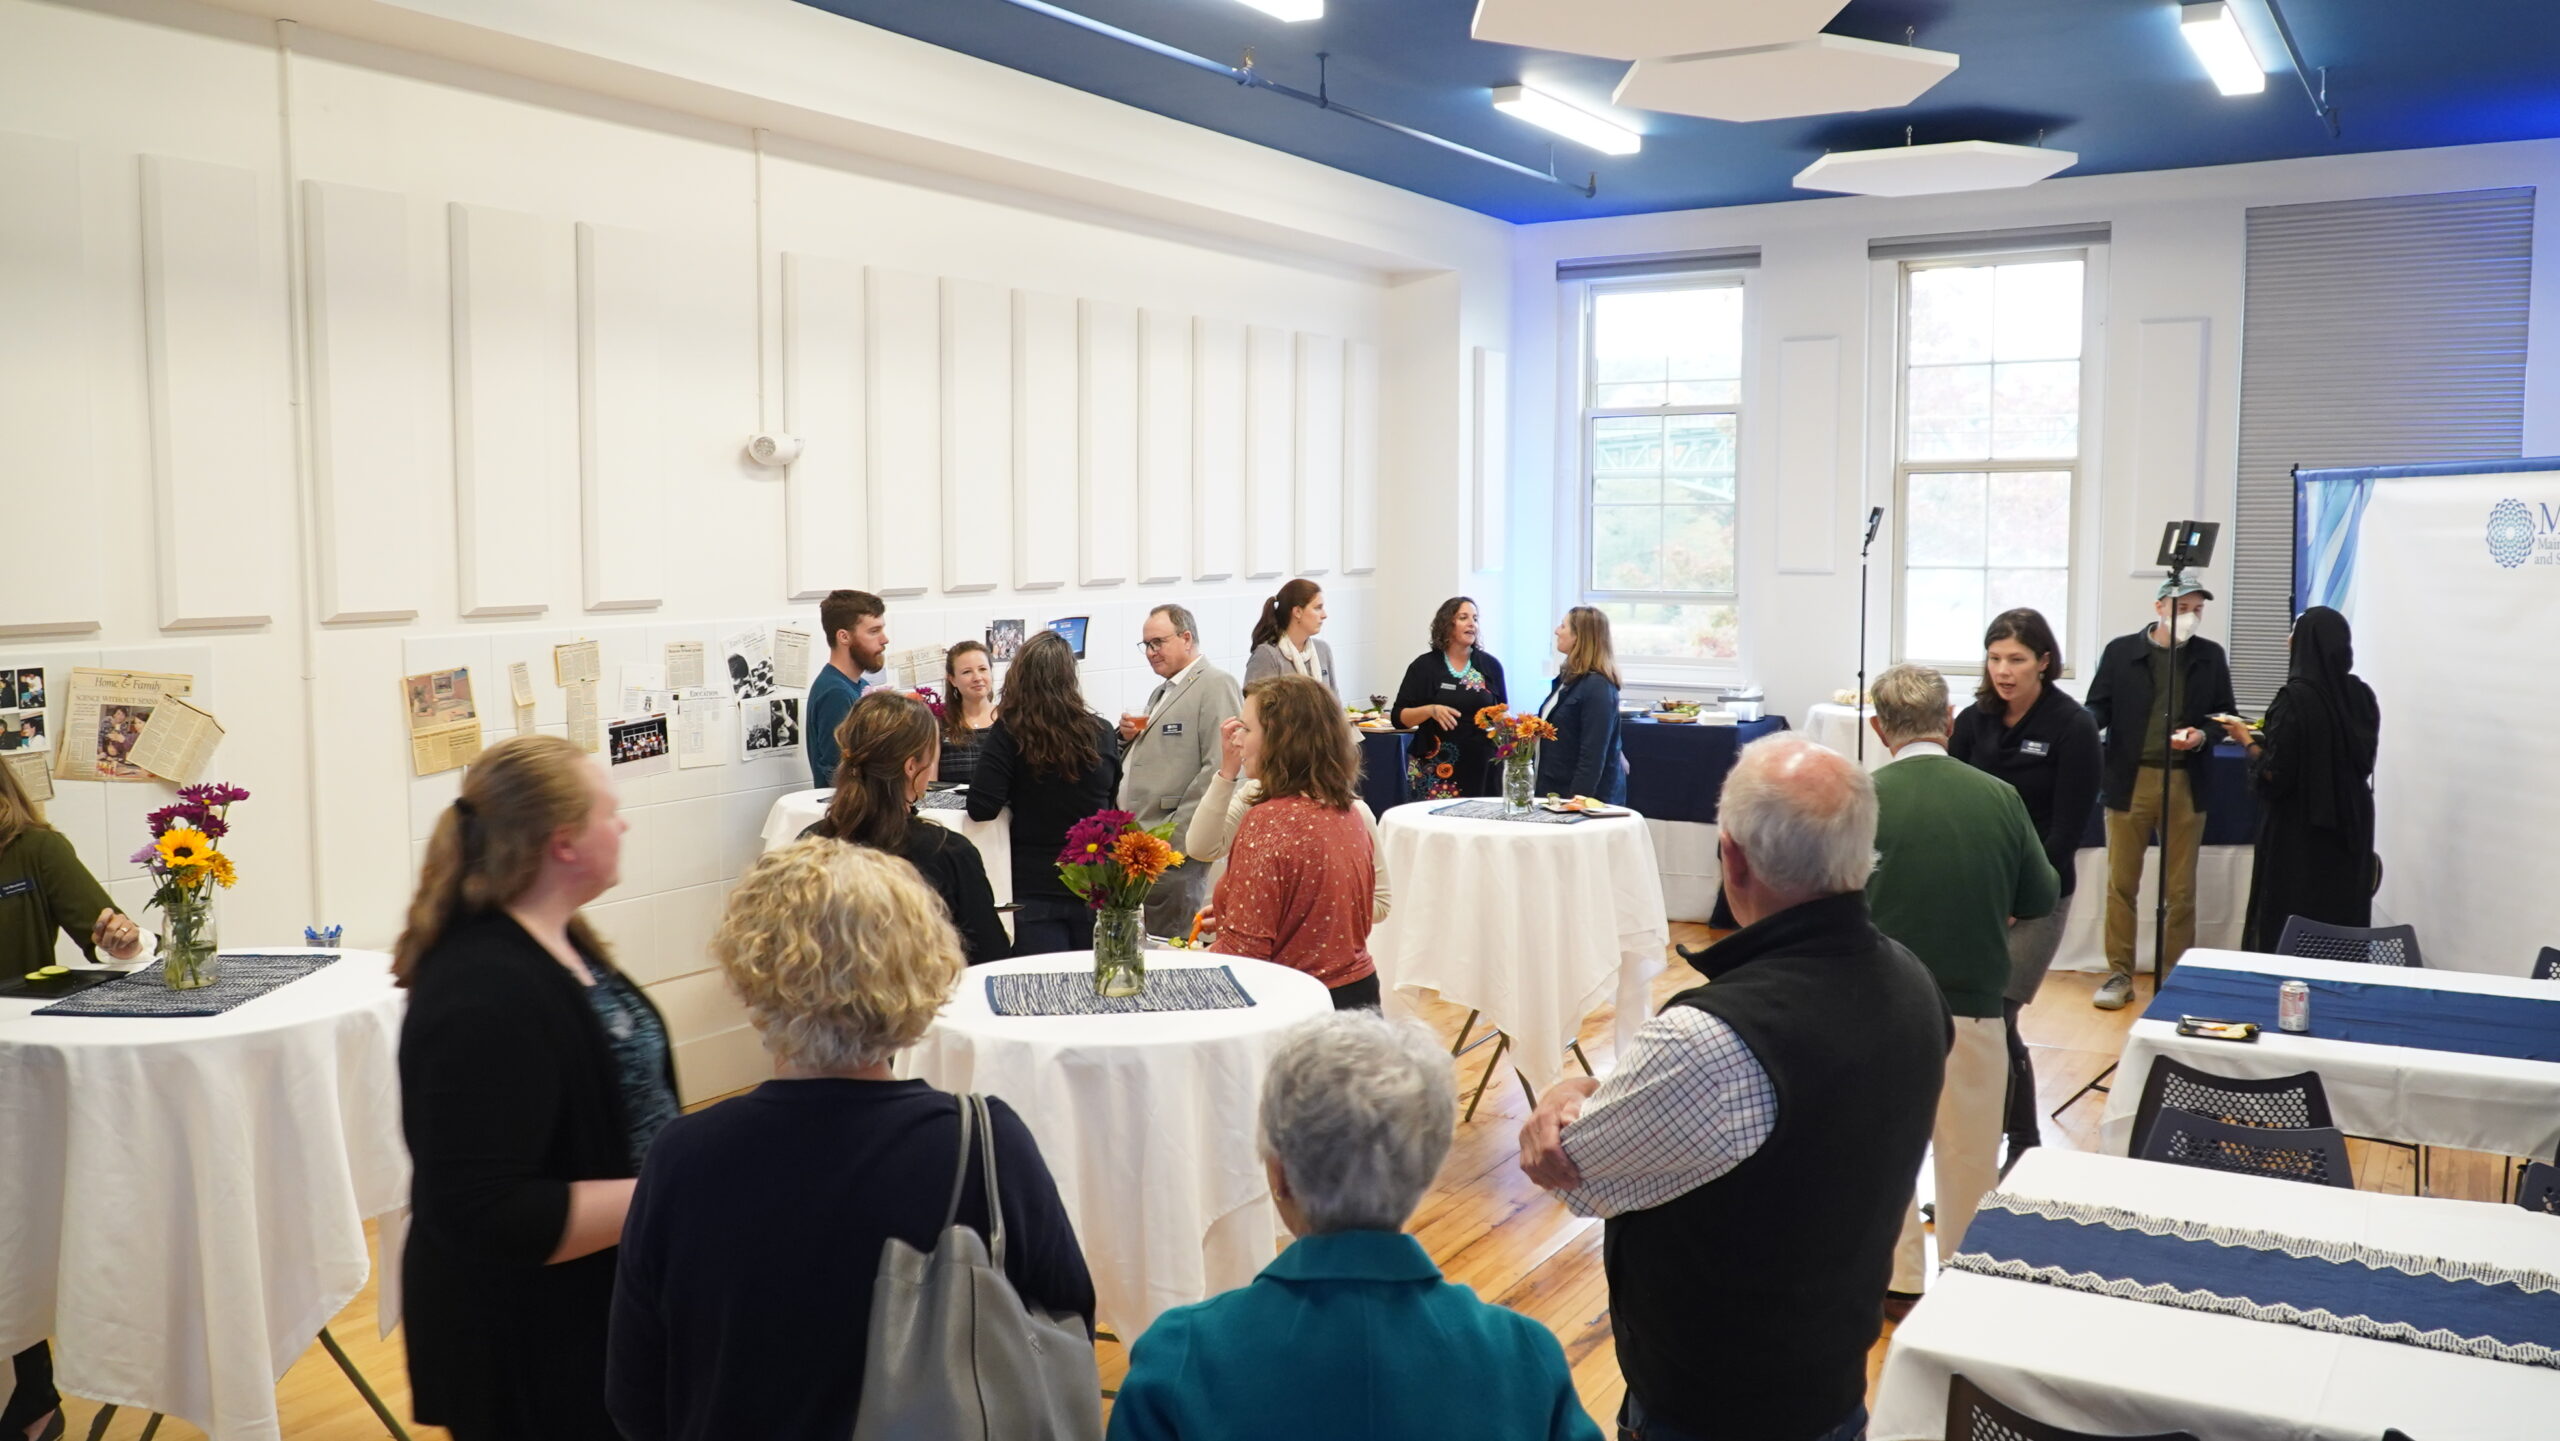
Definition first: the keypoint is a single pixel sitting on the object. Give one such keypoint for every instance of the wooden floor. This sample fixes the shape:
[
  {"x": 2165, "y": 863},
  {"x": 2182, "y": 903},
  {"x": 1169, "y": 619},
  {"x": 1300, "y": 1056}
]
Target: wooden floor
[{"x": 1483, "y": 1221}]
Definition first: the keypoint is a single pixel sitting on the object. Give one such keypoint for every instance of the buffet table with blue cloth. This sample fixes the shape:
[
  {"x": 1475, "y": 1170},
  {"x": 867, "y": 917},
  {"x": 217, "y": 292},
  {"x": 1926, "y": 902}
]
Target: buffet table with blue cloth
[
  {"x": 2231, "y": 810},
  {"x": 1382, "y": 769},
  {"x": 1675, "y": 772}
]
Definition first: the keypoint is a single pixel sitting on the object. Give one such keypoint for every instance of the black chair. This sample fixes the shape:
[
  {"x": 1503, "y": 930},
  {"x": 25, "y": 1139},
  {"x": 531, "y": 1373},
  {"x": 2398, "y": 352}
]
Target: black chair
[
  {"x": 2374, "y": 945},
  {"x": 2546, "y": 967},
  {"x": 2317, "y": 1155},
  {"x": 2540, "y": 1190},
  {"x": 1973, "y": 1416},
  {"x": 2290, "y": 1103}
]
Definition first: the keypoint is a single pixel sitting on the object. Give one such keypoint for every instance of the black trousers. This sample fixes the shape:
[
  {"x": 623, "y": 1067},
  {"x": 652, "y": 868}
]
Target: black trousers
[
  {"x": 1359, "y": 995},
  {"x": 2019, "y": 1121},
  {"x": 34, "y": 1395},
  {"x": 1044, "y": 926}
]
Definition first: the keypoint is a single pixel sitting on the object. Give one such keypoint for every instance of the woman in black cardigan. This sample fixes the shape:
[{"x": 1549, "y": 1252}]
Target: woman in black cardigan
[
  {"x": 2023, "y": 729},
  {"x": 1438, "y": 700},
  {"x": 533, "y": 1078},
  {"x": 1584, "y": 759},
  {"x": 890, "y": 751}
]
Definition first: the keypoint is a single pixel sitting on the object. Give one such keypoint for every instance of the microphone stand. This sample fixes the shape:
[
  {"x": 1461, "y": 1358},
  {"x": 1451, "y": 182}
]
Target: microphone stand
[
  {"x": 2168, "y": 776},
  {"x": 1875, "y": 518}
]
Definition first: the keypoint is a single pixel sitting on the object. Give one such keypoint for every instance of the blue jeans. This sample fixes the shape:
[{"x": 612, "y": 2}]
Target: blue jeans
[
  {"x": 1045, "y": 926},
  {"x": 1634, "y": 1426}
]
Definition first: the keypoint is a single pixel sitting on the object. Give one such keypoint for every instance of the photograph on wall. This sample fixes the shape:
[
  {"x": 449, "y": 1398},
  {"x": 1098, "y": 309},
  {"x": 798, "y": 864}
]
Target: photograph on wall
[
  {"x": 769, "y": 728},
  {"x": 22, "y": 730},
  {"x": 22, "y": 689},
  {"x": 748, "y": 656},
  {"x": 444, "y": 725},
  {"x": 639, "y": 747},
  {"x": 104, "y": 713},
  {"x": 1072, "y": 627},
  {"x": 1004, "y": 640}
]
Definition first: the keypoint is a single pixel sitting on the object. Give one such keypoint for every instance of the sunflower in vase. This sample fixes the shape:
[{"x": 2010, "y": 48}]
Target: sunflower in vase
[{"x": 186, "y": 864}]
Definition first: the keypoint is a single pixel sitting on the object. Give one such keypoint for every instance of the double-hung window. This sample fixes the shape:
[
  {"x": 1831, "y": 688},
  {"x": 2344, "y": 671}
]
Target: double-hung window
[
  {"x": 1661, "y": 414},
  {"x": 1987, "y": 447}
]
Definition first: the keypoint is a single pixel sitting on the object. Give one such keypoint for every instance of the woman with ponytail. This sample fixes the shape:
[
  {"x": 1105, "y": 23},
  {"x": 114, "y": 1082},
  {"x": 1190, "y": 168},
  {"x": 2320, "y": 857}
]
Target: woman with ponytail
[
  {"x": 1285, "y": 641},
  {"x": 891, "y": 747},
  {"x": 533, "y": 1078}
]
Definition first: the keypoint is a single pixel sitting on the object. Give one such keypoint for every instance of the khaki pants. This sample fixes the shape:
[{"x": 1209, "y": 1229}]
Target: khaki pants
[
  {"x": 2129, "y": 850},
  {"x": 1964, "y": 1150}
]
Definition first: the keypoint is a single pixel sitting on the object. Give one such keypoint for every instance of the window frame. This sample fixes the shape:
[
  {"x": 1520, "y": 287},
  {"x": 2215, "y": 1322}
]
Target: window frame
[
  {"x": 1585, "y": 416},
  {"x": 2078, "y": 466}
]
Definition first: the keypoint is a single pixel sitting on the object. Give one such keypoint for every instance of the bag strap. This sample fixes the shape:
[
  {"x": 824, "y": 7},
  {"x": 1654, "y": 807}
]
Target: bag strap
[
  {"x": 960, "y": 1172},
  {"x": 995, "y": 1199}
]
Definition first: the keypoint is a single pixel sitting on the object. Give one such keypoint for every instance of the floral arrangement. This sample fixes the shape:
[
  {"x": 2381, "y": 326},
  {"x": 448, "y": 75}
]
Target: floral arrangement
[
  {"x": 1110, "y": 860},
  {"x": 1512, "y": 734},
  {"x": 186, "y": 863}
]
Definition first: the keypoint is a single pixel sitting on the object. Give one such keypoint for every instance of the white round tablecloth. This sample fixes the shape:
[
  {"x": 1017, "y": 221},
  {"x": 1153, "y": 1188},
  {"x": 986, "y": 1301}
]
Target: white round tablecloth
[
  {"x": 796, "y": 812},
  {"x": 1832, "y": 724},
  {"x": 1536, "y": 926},
  {"x": 1147, "y": 1123},
  {"x": 185, "y": 1198}
]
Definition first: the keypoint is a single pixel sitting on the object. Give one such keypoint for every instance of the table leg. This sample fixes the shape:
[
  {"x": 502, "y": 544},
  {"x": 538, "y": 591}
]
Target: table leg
[
  {"x": 1500, "y": 1046},
  {"x": 1465, "y": 1026},
  {"x": 1585, "y": 1060},
  {"x": 151, "y": 1428},
  {"x": 2097, "y": 1083},
  {"x": 364, "y": 1388},
  {"x": 98, "y": 1426}
]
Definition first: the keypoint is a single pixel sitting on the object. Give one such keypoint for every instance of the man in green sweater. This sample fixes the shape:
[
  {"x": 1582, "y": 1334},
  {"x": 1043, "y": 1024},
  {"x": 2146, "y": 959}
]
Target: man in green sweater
[{"x": 1957, "y": 860}]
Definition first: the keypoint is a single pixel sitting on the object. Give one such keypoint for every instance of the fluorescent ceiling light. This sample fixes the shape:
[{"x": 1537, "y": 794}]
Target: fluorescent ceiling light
[
  {"x": 1581, "y": 126},
  {"x": 1290, "y": 9},
  {"x": 2214, "y": 33}
]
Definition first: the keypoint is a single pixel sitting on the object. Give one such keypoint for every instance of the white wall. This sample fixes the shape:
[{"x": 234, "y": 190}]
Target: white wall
[
  {"x": 522, "y": 250},
  {"x": 2177, "y": 253}
]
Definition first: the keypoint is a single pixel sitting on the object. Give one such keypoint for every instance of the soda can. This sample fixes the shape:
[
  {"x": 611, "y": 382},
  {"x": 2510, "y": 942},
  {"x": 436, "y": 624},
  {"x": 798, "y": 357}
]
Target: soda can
[{"x": 2293, "y": 1006}]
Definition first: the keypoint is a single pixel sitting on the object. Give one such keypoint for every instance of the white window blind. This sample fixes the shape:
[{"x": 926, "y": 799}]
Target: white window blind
[{"x": 2376, "y": 332}]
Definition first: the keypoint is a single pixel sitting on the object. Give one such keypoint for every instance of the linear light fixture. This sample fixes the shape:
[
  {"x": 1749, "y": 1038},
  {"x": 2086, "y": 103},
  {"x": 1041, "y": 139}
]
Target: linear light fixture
[
  {"x": 1290, "y": 9},
  {"x": 1572, "y": 122},
  {"x": 2214, "y": 33}
]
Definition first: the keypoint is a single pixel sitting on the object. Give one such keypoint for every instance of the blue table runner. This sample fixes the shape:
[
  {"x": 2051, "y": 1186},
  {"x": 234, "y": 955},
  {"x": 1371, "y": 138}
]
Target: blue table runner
[
  {"x": 2333, "y": 1286},
  {"x": 2515, "y": 1027}
]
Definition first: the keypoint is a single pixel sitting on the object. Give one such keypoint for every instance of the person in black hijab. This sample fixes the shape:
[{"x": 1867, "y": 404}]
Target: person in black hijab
[{"x": 2313, "y": 771}]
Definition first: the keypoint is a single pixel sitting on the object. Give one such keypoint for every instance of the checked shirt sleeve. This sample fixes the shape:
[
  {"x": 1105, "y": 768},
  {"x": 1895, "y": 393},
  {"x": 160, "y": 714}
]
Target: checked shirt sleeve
[{"x": 1689, "y": 1103}]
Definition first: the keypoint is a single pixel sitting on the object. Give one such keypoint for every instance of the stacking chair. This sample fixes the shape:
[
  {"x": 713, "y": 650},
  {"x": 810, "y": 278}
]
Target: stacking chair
[
  {"x": 2316, "y": 1154},
  {"x": 2375, "y": 945},
  {"x": 2293, "y": 1103},
  {"x": 2546, "y": 967},
  {"x": 1973, "y": 1416},
  {"x": 2540, "y": 1190}
]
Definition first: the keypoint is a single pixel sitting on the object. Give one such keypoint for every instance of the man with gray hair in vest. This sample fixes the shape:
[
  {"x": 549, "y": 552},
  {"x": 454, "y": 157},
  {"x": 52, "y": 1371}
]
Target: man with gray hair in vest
[{"x": 1754, "y": 1149}]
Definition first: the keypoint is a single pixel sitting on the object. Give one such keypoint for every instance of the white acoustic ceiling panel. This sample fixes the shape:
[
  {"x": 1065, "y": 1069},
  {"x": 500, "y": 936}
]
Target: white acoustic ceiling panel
[
  {"x": 1823, "y": 75},
  {"x": 1635, "y": 29},
  {"x": 1934, "y": 169}
]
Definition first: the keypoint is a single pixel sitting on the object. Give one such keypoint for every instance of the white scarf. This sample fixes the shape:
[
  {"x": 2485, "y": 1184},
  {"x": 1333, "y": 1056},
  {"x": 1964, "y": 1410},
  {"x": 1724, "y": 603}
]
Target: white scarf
[{"x": 1303, "y": 660}]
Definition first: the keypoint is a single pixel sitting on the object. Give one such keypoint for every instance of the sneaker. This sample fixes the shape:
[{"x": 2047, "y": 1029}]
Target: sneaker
[{"x": 2114, "y": 993}]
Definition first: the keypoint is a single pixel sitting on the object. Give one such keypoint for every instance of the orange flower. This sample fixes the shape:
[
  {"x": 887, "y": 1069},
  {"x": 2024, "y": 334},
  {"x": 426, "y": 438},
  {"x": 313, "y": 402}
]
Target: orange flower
[
  {"x": 1445, "y": 770},
  {"x": 1144, "y": 856}
]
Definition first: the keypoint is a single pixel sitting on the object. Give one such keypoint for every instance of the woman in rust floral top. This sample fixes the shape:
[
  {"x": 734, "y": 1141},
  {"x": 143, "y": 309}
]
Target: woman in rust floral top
[{"x": 1299, "y": 874}]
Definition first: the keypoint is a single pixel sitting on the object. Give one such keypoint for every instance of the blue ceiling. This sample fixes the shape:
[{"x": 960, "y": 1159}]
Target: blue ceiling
[{"x": 2108, "y": 78}]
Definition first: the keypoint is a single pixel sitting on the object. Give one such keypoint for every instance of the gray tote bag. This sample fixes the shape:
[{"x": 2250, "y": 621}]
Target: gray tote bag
[{"x": 954, "y": 1353}]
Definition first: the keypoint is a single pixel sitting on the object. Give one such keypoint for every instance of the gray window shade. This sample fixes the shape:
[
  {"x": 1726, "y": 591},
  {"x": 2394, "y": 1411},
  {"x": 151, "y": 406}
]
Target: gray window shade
[
  {"x": 1988, "y": 242},
  {"x": 2377, "y": 332},
  {"x": 1671, "y": 262}
]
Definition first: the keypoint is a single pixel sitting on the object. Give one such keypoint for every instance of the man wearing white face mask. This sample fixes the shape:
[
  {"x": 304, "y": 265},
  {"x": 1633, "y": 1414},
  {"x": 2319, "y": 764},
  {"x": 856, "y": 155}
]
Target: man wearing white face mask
[{"x": 2124, "y": 699}]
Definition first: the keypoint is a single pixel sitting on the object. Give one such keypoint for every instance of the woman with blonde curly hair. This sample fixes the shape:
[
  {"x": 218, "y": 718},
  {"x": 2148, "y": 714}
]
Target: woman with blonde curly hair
[{"x": 747, "y": 1265}]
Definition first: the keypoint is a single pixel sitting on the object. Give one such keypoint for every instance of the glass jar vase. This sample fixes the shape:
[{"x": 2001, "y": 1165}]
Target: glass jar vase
[
  {"x": 1519, "y": 773},
  {"x": 189, "y": 941},
  {"x": 1119, "y": 951}
]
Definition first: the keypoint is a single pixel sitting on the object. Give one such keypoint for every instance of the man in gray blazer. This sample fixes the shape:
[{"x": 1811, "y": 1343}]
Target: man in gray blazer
[{"x": 1168, "y": 754}]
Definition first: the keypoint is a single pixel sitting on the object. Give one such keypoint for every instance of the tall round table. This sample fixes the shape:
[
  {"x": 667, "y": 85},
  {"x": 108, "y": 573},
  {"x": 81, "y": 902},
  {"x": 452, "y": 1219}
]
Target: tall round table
[
  {"x": 1147, "y": 1122},
  {"x": 186, "y": 1196},
  {"x": 1534, "y": 925},
  {"x": 796, "y": 812}
]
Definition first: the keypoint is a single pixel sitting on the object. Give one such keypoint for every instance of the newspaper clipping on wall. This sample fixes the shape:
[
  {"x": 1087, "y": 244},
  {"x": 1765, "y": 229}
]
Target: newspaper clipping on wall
[
  {"x": 444, "y": 724},
  {"x": 28, "y": 767},
  {"x": 697, "y": 717},
  {"x": 104, "y": 714},
  {"x": 180, "y": 741},
  {"x": 769, "y": 728},
  {"x": 748, "y": 656},
  {"x": 684, "y": 664},
  {"x": 790, "y": 658}
]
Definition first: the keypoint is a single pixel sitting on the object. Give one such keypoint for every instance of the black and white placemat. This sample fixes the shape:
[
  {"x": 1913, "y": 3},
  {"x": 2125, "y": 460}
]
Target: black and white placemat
[
  {"x": 943, "y": 801},
  {"x": 239, "y": 979},
  {"x": 1497, "y": 811},
  {"x": 1070, "y": 993}
]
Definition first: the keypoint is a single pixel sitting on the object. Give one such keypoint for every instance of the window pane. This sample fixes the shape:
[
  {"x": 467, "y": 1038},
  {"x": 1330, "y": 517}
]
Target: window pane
[
  {"x": 1635, "y": 396},
  {"x": 1642, "y": 340},
  {"x": 1945, "y": 615},
  {"x": 1673, "y": 632},
  {"x": 1697, "y": 550},
  {"x": 1946, "y": 521},
  {"x": 1626, "y": 547},
  {"x": 1705, "y": 332},
  {"x": 2045, "y": 589},
  {"x": 1950, "y": 409},
  {"x": 2035, "y": 407},
  {"x": 2030, "y": 519},
  {"x": 1698, "y": 463},
  {"x": 2036, "y": 312},
  {"x": 1950, "y": 319},
  {"x": 1626, "y": 460},
  {"x": 1706, "y": 392}
]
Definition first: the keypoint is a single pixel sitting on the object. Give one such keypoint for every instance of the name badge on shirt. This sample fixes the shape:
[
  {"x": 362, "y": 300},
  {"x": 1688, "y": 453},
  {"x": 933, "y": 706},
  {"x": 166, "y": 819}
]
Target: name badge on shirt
[
  {"x": 2034, "y": 748},
  {"x": 1172, "y": 728},
  {"x": 1448, "y": 685},
  {"x": 16, "y": 888}
]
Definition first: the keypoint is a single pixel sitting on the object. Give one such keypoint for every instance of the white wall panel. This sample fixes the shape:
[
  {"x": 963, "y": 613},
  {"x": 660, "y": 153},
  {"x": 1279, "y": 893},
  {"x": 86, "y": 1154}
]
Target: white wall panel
[
  {"x": 1044, "y": 439},
  {"x": 622, "y": 486},
  {"x": 905, "y": 315},
  {"x": 1491, "y": 500},
  {"x": 1319, "y": 527},
  {"x": 365, "y": 390},
  {"x": 1360, "y": 458},
  {"x": 977, "y": 432},
  {"x": 221, "y": 446},
  {"x": 507, "y": 458},
  {"x": 1217, "y": 448},
  {"x": 1808, "y": 454},
  {"x": 1107, "y": 440},
  {"x": 1164, "y": 446},
  {"x": 1270, "y": 423},
  {"x": 825, "y": 507},
  {"x": 2168, "y": 434},
  {"x": 46, "y": 469}
]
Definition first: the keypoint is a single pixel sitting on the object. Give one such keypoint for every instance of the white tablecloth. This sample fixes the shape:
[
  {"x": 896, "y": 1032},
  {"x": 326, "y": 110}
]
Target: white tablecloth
[
  {"x": 1837, "y": 726},
  {"x": 2119, "y": 1367},
  {"x": 796, "y": 812},
  {"x": 1537, "y": 926},
  {"x": 2397, "y": 1093},
  {"x": 183, "y": 1201},
  {"x": 1147, "y": 1122}
]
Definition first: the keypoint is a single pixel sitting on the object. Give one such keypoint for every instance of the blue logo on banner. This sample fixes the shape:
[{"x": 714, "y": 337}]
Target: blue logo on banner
[{"x": 2510, "y": 533}]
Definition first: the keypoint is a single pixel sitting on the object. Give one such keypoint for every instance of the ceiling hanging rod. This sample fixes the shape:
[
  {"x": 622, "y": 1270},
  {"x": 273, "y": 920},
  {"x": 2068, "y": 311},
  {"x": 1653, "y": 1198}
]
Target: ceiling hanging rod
[
  {"x": 2302, "y": 71},
  {"x": 1246, "y": 75}
]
